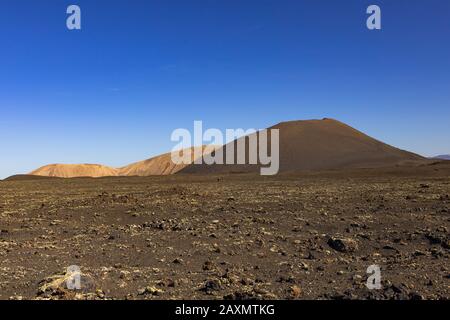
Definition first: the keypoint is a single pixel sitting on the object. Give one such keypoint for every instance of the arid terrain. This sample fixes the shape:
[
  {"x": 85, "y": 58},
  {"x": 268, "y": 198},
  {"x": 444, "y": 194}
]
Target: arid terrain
[{"x": 236, "y": 236}]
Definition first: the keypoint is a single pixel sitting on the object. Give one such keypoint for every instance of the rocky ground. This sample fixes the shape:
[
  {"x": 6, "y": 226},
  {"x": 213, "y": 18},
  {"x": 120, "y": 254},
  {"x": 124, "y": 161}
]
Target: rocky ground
[{"x": 303, "y": 236}]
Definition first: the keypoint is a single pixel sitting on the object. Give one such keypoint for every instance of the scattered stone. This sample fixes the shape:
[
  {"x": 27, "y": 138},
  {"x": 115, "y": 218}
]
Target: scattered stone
[
  {"x": 211, "y": 285},
  {"x": 343, "y": 244},
  {"x": 295, "y": 292},
  {"x": 150, "y": 290}
]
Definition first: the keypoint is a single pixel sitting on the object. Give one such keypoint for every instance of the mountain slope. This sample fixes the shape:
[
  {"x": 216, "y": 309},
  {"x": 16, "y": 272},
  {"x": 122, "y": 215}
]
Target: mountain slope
[{"x": 159, "y": 165}]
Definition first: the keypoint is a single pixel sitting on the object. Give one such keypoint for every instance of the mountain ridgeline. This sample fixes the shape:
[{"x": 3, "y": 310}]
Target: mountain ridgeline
[{"x": 303, "y": 145}]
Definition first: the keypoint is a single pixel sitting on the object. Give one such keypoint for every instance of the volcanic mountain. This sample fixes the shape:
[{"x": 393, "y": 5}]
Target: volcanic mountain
[
  {"x": 303, "y": 145},
  {"x": 319, "y": 145},
  {"x": 75, "y": 170}
]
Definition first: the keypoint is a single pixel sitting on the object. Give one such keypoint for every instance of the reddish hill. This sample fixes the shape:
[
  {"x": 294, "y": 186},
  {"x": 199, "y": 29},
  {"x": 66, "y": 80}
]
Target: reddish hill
[{"x": 318, "y": 145}]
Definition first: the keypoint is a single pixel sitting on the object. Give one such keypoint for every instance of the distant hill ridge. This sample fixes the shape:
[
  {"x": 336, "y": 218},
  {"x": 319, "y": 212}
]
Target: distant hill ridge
[
  {"x": 159, "y": 165},
  {"x": 442, "y": 157}
]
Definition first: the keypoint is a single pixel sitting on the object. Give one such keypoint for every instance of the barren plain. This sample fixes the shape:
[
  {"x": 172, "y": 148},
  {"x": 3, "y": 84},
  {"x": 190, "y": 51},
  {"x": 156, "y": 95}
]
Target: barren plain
[{"x": 237, "y": 236}]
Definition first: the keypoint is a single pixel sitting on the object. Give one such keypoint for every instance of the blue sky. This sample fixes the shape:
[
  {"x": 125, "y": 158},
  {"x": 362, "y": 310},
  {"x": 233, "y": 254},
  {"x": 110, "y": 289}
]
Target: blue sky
[{"x": 113, "y": 92}]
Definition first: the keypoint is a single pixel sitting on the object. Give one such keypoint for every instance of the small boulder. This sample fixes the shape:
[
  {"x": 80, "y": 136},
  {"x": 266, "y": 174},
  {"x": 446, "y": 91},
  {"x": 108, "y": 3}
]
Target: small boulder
[{"x": 343, "y": 244}]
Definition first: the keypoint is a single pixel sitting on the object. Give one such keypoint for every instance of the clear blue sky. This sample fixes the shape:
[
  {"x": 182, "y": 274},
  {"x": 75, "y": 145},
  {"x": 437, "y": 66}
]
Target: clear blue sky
[{"x": 113, "y": 92}]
